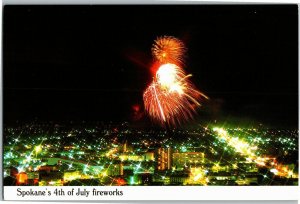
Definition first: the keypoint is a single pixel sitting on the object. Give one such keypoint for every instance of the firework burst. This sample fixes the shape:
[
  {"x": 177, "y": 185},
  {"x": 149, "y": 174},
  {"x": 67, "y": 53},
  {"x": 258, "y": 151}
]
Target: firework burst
[
  {"x": 168, "y": 49},
  {"x": 171, "y": 97}
]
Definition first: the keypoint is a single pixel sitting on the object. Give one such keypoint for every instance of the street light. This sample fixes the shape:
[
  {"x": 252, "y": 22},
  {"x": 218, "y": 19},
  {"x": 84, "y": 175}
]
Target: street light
[{"x": 37, "y": 150}]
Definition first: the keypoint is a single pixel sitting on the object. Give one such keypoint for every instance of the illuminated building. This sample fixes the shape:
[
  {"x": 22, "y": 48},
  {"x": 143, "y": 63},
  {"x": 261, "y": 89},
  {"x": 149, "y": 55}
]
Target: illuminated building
[
  {"x": 50, "y": 176},
  {"x": 221, "y": 175},
  {"x": 197, "y": 176},
  {"x": 33, "y": 178},
  {"x": 131, "y": 157},
  {"x": 127, "y": 169},
  {"x": 51, "y": 179},
  {"x": 161, "y": 178},
  {"x": 22, "y": 179},
  {"x": 53, "y": 182},
  {"x": 248, "y": 179},
  {"x": 133, "y": 180},
  {"x": 220, "y": 168},
  {"x": 69, "y": 147},
  {"x": 48, "y": 168},
  {"x": 146, "y": 179},
  {"x": 71, "y": 175},
  {"x": 164, "y": 159},
  {"x": 179, "y": 178},
  {"x": 127, "y": 148},
  {"x": 119, "y": 182},
  {"x": 114, "y": 170},
  {"x": 149, "y": 156},
  {"x": 185, "y": 159}
]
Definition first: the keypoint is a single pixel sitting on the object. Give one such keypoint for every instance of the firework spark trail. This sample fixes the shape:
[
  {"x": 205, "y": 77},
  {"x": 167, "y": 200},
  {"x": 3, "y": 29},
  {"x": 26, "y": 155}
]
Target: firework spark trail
[{"x": 158, "y": 102}]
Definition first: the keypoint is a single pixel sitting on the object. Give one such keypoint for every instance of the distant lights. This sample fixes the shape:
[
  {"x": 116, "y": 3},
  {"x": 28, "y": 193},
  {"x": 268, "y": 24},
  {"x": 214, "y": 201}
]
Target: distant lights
[
  {"x": 274, "y": 171},
  {"x": 38, "y": 148}
]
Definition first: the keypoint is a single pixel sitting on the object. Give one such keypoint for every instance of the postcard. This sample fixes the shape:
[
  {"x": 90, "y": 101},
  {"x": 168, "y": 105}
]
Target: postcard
[{"x": 150, "y": 102}]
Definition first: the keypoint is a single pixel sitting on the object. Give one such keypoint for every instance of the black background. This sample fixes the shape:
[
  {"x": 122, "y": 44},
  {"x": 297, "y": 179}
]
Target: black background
[{"x": 92, "y": 62}]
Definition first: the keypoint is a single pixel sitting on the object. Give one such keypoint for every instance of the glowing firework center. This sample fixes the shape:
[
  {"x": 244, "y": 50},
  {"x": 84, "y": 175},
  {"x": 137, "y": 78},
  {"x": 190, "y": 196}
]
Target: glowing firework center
[{"x": 170, "y": 78}]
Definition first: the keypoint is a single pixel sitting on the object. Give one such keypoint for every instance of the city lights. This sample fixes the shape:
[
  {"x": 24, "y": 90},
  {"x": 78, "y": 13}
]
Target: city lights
[{"x": 208, "y": 155}]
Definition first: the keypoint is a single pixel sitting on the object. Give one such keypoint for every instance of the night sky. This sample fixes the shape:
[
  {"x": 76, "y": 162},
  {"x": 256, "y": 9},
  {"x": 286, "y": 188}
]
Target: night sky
[{"x": 92, "y": 62}]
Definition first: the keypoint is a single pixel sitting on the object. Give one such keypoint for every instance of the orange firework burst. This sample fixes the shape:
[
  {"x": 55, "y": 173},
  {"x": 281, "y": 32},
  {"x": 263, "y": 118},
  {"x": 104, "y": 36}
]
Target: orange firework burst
[
  {"x": 171, "y": 97},
  {"x": 168, "y": 49}
]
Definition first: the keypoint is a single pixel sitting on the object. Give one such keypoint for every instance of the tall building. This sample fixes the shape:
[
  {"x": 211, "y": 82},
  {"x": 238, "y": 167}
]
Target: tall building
[
  {"x": 187, "y": 159},
  {"x": 127, "y": 147},
  {"x": 164, "y": 159}
]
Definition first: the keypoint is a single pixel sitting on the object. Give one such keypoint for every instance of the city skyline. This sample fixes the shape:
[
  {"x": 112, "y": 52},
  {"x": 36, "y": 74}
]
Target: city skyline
[{"x": 118, "y": 155}]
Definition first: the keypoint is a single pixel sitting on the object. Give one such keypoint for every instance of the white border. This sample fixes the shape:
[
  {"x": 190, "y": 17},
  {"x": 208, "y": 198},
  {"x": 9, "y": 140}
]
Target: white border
[
  {"x": 1, "y": 107},
  {"x": 282, "y": 193},
  {"x": 161, "y": 193}
]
